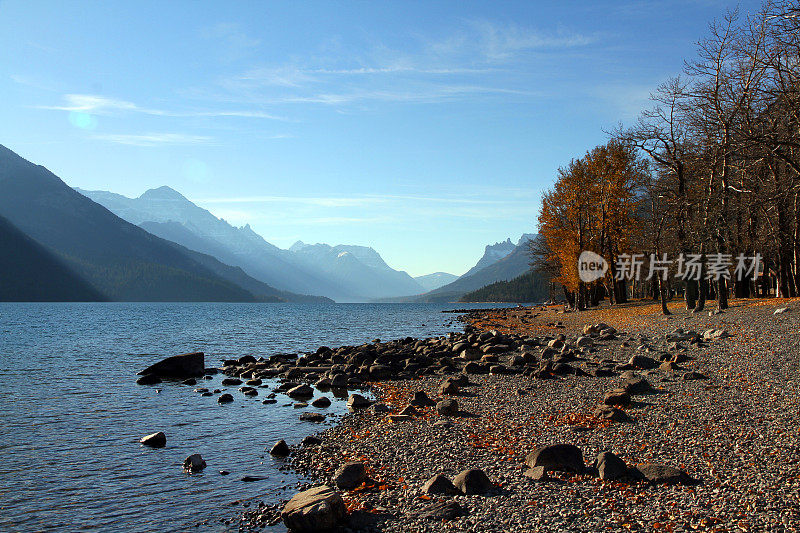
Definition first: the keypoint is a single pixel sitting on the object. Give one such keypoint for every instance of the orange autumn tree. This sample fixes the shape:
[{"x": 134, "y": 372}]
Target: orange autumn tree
[{"x": 593, "y": 206}]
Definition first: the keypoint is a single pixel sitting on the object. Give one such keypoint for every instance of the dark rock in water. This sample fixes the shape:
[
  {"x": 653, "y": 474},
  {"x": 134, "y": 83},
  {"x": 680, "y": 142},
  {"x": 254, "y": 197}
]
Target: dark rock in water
[
  {"x": 310, "y": 441},
  {"x": 190, "y": 381},
  {"x": 560, "y": 457},
  {"x": 447, "y": 510},
  {"x": 301, "y": 391},
  {"x": 421, "y": 400},
  {"x": 250, "y": 479},
  {"x": 194, "y": 463},
  {"x": 231, "y": 382},
  {"x": 148, "y": 379},
  {"x": 447, "y": 407},
  {"x": 280, "y": 449},
  {"x": 225, "y": 398},
  {"x": 440, "y": 484},
  {"x": 155, "y": 440},
  {"x": 322, "y": 402},
  {"x": 207, "y": 393},
  {"x": 246, "y": 359},
  {"x": 664, "y": 475},
  {"x": 312, "y": 417},
  {"x": 473, "y": 481},
  {"x": 339, "y": 381},
  {"x": 183, "y": 366},
  {"x": 316, "y": 509},
  {"x": 254, "y": 382},
  {"x": 350, "y": 475},
  {"x": 269, "y": 401},
  {"x": 610, "y": 467},
  {"x": 356, "y": 401},
  {"x": 323, "y": 383}
]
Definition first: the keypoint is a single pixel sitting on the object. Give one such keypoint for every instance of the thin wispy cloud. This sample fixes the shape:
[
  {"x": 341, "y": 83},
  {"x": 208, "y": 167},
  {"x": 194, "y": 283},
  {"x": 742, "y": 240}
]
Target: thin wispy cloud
[
  {"x": 103, "y": 105},
  {"x": 499, "y": 42},
  {"x": 155, "y": 139}
]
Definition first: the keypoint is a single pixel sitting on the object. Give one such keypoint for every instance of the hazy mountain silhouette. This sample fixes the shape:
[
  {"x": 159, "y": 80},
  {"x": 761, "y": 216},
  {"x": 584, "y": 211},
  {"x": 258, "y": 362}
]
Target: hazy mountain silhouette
[
  {"x": 359, "y": 275},
  {"x": 30, "y": 273},
  {"x": 433, "y": 281},
  {"x": 491, "y": 254},
  {"x": 359, "y": 270},
  {"x": 120, "y": 261},
  {"x": 506, "y": 268}
]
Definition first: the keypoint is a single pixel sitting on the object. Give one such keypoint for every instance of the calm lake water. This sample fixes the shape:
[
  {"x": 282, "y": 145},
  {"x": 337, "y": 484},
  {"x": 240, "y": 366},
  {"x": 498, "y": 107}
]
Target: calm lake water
[{"x": 72, "y": 414}]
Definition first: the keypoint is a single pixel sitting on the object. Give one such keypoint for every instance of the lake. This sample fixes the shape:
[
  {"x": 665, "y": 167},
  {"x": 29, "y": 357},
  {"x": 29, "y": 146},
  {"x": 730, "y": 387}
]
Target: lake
[{"x": 72, "y": 414}]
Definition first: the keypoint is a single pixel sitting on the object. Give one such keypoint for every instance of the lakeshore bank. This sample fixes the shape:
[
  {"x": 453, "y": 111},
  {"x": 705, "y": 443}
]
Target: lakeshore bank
[{"x": 713, "y": 396}]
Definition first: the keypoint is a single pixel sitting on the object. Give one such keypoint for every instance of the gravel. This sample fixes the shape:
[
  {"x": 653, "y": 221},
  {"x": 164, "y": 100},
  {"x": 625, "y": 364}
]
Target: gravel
[{"x": 736, "y": 432}]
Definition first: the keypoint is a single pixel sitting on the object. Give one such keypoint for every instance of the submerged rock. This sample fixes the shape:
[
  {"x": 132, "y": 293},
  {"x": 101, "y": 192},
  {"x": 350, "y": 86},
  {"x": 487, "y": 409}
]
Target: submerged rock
[
  {"x": 154, "y": 440},
  {"x": 182, "y": 366},
  {"x": 194, "y": 463},
  {"x": 280, "y": 449}
]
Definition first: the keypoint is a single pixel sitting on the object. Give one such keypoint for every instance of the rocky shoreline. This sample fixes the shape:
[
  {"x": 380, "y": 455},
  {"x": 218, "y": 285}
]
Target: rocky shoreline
[{"x": 533, "y": 419}]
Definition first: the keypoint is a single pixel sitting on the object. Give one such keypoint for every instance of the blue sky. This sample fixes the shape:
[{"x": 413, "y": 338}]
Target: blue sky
[{"x": 423, "y": 129}]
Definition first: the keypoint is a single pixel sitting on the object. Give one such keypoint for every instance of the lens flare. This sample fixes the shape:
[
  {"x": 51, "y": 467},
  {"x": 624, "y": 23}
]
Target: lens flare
[
  {"x": 81, "y": 120},
  {"x": 197, "y": 171}
]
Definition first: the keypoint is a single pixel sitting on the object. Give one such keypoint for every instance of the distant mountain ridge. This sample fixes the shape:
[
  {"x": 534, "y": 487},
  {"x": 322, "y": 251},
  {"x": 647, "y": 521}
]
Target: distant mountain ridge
[
  {"x": 508, "y": 267},
  {"x": 433, "y": 281},
  {"x": 491, "y": 254},
  {"x": 119, "y": 260},
  {"x": 342, "y": 272}
]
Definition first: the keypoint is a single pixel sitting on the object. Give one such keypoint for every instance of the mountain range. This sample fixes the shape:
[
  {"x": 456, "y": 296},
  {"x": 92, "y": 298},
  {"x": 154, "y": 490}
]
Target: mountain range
[
  {"x": 98, "y": 245},
  {"x": 433, "y": 281},
  {"x": 345, "y": 273},
  {"x": 104, "y": 256},
  {"x": 502, "y": 261}
]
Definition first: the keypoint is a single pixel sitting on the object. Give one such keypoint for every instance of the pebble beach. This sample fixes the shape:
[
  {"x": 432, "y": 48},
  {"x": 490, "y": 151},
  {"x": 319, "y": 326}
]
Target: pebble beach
[{"x": 701, "y": 409}]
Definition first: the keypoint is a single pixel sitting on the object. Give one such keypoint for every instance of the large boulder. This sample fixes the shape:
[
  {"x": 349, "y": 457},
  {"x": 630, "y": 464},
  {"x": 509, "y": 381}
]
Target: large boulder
[
  {"x": 301, "y": 391},
  {"x": 356, "y": 401},
  {"x": 183, "y": 366},
  {"x": 473, "y": 481},
  {"x": 447, "y": 407},
  {"x": 280, "y": 449},
  {"x": 560, "y": 457},
  {"x": 350, "y": 475},
  {"x": 611, "y": 467},
  {"x": 439, "y": 484},
  {"x": 316, "y": 509},
  {"x": 617, "y": 397}
]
